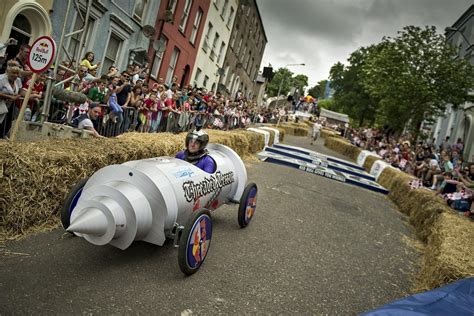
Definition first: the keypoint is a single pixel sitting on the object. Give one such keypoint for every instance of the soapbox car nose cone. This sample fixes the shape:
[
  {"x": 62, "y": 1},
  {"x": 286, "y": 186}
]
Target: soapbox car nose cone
[{"x": 93, "y": 222}]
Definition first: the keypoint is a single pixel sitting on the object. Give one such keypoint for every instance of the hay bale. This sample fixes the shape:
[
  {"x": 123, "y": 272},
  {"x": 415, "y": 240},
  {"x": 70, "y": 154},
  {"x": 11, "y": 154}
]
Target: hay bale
[
  {"x": 300, "y": 125},
  {"x": 301, "y": 131},
  {"x": 272, "y": 137},
  {"x": 389, "y": 176},
  {"x": 290, "y": 130},
  {"x": 35, "y": 177},
  {"x": 449, "y": 255},
  {"x": 282, "y": 132},
  {"x": 342, "y": 147},
  {"x": 325, "y": 133},
  {"x": 369, "y": 161}
]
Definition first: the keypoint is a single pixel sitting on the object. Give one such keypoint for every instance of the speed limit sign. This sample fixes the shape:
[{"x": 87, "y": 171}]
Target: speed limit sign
[{"x": 41, "y": 54}]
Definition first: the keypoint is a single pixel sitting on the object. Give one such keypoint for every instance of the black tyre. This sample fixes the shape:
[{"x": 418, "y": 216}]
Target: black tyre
[
  {"x": 248, "y": 205},
  {"x": 195, "y": 241},
  {"x": 71, "y": 201}
]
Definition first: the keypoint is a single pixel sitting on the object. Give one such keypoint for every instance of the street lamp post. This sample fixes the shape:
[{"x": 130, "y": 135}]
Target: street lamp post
[{"x": 281, "y": 82}]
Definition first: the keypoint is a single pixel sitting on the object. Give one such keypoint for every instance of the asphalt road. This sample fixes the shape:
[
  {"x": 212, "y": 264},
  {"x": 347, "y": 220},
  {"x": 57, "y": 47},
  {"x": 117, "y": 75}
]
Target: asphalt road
[{"x": 315, "y": 246}]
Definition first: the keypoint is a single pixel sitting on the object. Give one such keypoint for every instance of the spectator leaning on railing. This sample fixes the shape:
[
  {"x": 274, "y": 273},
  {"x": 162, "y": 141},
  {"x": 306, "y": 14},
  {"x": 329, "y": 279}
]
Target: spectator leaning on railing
[
  {"x": 10, "y": 91},
  {"x": 85, "y": 120}
]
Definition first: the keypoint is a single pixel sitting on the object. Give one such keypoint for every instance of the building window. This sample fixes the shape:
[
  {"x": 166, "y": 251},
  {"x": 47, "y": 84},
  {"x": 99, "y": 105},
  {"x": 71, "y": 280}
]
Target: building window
[
  {"x": 140, "y": 9},
  {"x": 158, "y": 58},
  {"x": 247, "y": 60},
  {"x": 214, "y": 46},
  {"x": 243, "y": 53},
  {"x": 112, "y": 52},
  {"x": 233, "y": 38},
  {"x": 221, "y": 52},
  {"x": 249, "y": 69},
  {"x": 172, "y": 66},
  {"x": 197, "y": 76},
  {"x": 74, "y": 49},
  {"x": 216, "y": 3},
  {"x": 184, "y": 17},
  {"x": 197, "y": 22},
  {"x": 224, "y": 9},
  {"x": 231, "y": 16},
  {"x": 207, "y": 38},
  {"x": 240, "y": 45},
  {"x": 206, "y": 79},
  {"x": 22, "y": 25},
  {"x": 172, "y": 6}
]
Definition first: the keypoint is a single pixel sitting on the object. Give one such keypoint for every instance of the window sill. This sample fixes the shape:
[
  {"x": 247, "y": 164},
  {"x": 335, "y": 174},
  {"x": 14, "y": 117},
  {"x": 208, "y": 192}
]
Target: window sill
[{"x": 181, "y": 31}]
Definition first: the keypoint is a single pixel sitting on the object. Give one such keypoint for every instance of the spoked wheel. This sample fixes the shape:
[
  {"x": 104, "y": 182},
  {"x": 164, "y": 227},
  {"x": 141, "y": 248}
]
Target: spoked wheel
[
  {"x": 71, "y": 202},
  {"x": 248, "y": 205},
  {"x": 195, "y": 241}
]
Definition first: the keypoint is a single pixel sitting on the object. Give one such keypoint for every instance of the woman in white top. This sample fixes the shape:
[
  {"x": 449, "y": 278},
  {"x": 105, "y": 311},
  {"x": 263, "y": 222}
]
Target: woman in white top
[{"x": 10, "y": 91}]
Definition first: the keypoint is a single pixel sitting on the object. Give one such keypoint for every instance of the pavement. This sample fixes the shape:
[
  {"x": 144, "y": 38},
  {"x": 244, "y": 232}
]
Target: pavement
[{"x": 315, "y": 246}]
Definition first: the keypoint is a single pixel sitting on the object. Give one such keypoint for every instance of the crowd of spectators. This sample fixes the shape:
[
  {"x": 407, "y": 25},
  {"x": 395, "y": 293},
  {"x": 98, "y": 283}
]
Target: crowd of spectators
[
  {"x": 438, "y": 168},
  {"x": 123, "y": 101}
]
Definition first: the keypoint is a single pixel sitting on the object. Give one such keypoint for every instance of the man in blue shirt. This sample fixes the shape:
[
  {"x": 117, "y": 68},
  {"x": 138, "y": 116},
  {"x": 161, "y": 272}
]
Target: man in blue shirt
[{"x": 196, "y": 152}]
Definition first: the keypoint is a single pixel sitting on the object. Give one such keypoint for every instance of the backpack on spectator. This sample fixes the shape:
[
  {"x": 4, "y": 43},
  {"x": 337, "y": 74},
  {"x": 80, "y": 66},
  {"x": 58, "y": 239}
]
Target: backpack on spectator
[{"x": 461, "y": 205}]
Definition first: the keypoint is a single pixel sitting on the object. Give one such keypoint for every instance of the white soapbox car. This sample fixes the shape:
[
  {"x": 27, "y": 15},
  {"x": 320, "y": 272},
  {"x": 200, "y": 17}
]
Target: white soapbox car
[{"x": 159, "y": 198}]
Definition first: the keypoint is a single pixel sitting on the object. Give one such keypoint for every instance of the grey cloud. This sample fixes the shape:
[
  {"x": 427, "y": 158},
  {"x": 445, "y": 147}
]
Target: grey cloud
[{"x": 323, "y": 32}]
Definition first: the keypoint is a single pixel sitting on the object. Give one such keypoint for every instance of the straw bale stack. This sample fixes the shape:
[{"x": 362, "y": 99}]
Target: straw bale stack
[
  {"x": 449, "y": 255},
  {"x": 299, "y": 124},
  {"x": 342, "y": 147},
  {"x": 35, "y": 177},
  {"x": 294, "y": 130},
  {"x": 282, "y": 132},
  {"x": 369, "y": 161},
  {"x": 325, "y": 133}
]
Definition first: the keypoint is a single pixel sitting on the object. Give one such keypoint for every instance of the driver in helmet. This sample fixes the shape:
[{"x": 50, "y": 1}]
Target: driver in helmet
[{"x": 196, "y": 152}]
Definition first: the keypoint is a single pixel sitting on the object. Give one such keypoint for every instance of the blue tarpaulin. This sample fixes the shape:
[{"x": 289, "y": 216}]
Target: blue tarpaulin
[{"x": 453, "y": 299}]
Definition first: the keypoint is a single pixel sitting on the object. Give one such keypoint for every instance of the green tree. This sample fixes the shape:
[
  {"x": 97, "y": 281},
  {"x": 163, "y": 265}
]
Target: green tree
[
  {"x": 326, "y": 104},
  {"x": 300, "y": 82},
  {"x": 282, "y": 74},
  {"x": 318, "y": 90},
  {"x": 414, "y": 76},
  {"x": 289, "y": 81},
  {"x": 350, "y": 96}
]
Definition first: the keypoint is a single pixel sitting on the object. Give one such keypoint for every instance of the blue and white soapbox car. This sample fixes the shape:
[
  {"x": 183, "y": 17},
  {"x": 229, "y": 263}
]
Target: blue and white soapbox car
[{"x": 159, "y": 198}]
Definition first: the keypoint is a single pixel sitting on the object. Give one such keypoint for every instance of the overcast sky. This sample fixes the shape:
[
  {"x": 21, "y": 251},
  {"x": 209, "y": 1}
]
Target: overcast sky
[{"x": 320, "y": 33}]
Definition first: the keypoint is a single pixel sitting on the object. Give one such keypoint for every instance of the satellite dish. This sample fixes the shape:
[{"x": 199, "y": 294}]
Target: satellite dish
[
  {"x": 221, "y": 71},
  {"x": 148, "y": 31}
]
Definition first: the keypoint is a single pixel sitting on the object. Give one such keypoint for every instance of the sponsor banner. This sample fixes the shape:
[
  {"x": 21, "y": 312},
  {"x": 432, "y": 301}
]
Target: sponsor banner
[
  {"x": 316, "y": 154},
  {"x": 321, "y": 162},
  {"x": 321, "y": 171}
]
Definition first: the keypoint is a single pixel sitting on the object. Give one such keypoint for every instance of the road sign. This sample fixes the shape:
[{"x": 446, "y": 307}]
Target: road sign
[{"x": 41, "y": 54}]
